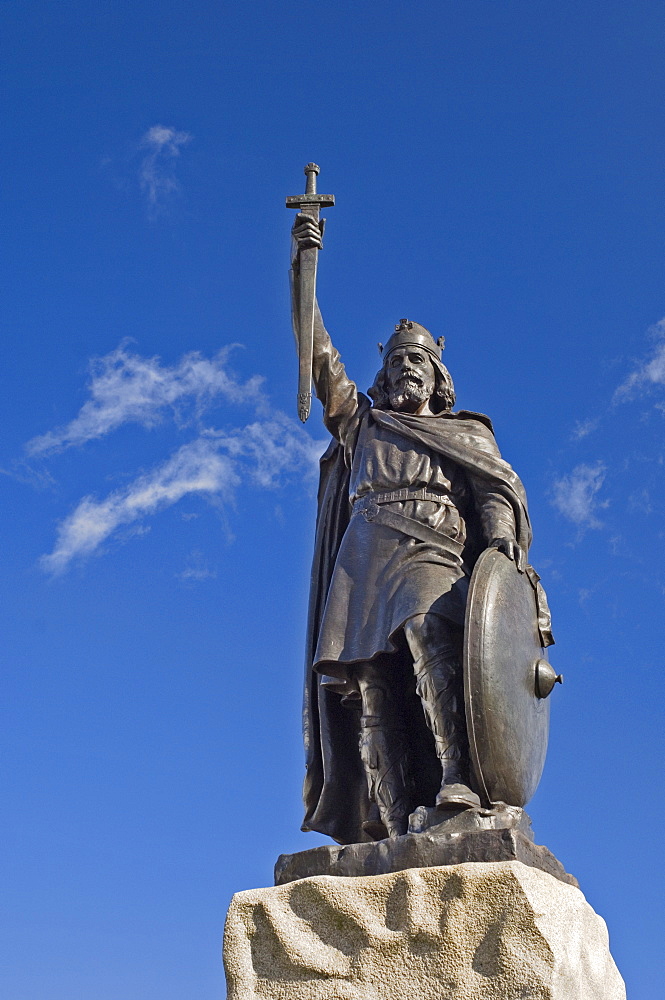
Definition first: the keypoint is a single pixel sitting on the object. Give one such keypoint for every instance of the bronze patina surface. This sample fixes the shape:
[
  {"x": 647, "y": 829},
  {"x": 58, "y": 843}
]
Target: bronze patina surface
[
  {"x": 417, "y": 695},
  {"x": 502, "y": 833},
  {"x": 304, "y": 266},
  {"x": 507, "y": 719}
]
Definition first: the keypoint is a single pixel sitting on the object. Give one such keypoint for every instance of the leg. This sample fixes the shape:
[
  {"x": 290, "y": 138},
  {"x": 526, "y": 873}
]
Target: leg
[
  {"x": 435, "y": 647},
  {"x": 383, "y": 749}
]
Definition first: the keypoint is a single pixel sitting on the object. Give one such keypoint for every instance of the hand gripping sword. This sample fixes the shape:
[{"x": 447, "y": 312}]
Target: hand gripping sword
[{"x": 304, "y": 277}]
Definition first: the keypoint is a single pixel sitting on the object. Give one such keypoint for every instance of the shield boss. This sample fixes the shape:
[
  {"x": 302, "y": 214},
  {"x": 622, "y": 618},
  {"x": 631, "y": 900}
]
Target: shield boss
[{"x": 508, "y": 724}]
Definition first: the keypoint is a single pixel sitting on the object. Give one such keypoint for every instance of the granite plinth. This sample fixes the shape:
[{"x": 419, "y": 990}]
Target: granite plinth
[
  {"x": 464, "y": 932},
  {"x": 502, "y": 833}
]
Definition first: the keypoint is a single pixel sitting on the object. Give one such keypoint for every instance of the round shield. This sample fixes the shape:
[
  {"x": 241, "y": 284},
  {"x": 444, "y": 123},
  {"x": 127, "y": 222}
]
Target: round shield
[{"x": 507, "y": 715}]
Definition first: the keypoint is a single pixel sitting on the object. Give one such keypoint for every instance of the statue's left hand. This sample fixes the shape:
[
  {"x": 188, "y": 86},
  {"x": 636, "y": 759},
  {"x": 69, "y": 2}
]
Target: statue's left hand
[{"x": 510, "y": 548}]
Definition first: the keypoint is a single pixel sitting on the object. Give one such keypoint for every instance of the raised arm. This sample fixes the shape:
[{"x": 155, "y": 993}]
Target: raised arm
[{"x": 342, "y": 403}]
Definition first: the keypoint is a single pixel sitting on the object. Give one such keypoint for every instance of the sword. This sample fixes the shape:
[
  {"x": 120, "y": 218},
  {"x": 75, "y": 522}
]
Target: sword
[{"x": 304, "y": 276}]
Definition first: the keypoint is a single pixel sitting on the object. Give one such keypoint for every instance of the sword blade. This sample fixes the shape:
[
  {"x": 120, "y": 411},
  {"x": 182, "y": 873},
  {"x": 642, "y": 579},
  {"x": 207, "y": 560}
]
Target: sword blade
[{"x": 307, "y": 283}]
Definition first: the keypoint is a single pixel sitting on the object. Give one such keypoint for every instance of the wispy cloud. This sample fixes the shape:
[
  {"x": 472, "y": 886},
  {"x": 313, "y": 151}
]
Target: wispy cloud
[
  {"x": 157, "y": 171},
  {"x": 195, "y": 468},
  {"x": 575, "y": 495},
  {"x": 197, "y": 569},
  {"x": 271, "y": 447},
  {"x": 648, "y": 373},
  {"x": 585, "y": 427},
  {"x": 127, "y": 388},
  {"x": 23, "y": 472},
  {"x": 213, "y": 465},
  {"x": 193, "y": 573}
]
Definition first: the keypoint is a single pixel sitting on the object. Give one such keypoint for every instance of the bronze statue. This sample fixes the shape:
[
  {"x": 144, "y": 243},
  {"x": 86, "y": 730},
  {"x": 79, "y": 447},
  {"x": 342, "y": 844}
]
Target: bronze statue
[{"x": 412, "y": 493}]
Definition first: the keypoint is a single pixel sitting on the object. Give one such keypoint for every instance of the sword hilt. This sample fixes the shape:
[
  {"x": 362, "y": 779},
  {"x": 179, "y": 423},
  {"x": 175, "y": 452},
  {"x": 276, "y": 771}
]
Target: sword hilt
[
  {"x": 310, "y": 199},
  {"x": 311, "y": 171}
]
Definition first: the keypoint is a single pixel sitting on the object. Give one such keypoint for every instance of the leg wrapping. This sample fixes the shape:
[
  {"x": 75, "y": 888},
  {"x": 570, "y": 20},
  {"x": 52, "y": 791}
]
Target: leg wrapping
[
  {"x": 383, "y": 753},
  {"x": 439, "y": 686}
]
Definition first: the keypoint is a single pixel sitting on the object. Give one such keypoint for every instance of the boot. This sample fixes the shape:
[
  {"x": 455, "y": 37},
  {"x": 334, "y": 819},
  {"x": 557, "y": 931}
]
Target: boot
[
  {"x": 383, "y": 753},
  {"x": 438, "y": 683},
  {"x": 373, "y": 825}
]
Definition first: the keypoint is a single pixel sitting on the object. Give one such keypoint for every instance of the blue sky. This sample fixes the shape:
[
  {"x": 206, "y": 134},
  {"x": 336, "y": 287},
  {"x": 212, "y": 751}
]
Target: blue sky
[{"x": 499, "y": 174}]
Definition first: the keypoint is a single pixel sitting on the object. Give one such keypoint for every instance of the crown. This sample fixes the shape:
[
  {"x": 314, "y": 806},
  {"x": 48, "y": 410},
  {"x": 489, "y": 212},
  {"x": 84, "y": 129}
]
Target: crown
[{"x": 410, "y": 334}]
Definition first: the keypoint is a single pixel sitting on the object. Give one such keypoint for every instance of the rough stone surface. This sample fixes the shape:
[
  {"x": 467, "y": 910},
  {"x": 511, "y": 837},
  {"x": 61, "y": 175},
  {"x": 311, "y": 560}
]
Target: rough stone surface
[
  {"x": 434, "y": 838},
  {"x": 495, "y": 931}
]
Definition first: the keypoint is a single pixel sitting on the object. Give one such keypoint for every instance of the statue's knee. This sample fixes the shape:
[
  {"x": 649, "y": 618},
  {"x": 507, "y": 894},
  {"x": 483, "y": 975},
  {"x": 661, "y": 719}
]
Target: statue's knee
[
  {"x": 425, "y": 633},
  {"x": 374, "y": 690},
  {"x": 376, "y": 701},
  {"x": 413, "y": 631}
]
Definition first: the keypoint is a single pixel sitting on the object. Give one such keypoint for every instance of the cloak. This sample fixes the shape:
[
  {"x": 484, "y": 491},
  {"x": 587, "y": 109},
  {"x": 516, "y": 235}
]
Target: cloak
[{"x": 335, "y": 787}]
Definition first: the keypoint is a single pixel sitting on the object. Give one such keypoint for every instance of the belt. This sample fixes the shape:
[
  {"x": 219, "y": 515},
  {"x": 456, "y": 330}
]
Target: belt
[
  {"x": 407, "y": 493},
  {"x": 368, "y": 506}
]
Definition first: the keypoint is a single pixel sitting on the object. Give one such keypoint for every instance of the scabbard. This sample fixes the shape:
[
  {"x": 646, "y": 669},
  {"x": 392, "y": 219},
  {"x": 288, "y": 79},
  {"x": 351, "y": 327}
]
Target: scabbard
[{"x": 306, "y": 278}]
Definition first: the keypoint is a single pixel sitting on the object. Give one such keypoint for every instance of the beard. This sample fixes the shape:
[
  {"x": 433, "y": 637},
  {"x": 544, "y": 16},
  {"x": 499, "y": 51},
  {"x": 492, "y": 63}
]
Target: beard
[{"x": 409, "y": 393}]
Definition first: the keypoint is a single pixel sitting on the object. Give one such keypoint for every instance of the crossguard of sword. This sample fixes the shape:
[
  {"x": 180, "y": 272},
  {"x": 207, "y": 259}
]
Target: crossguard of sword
[{"x": 311, "y": 198}]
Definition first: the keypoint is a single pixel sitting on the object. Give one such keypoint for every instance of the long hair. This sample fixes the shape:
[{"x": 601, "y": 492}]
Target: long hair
[{"x": 443, "y": 397}]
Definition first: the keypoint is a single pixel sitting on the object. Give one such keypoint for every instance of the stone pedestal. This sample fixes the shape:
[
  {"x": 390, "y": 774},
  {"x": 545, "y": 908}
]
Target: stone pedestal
[{"x": 475, "y": 931}]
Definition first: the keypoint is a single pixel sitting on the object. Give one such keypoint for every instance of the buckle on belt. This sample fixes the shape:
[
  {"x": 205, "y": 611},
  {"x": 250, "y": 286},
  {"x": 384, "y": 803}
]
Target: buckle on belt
[{"x": 369, "y": 509}]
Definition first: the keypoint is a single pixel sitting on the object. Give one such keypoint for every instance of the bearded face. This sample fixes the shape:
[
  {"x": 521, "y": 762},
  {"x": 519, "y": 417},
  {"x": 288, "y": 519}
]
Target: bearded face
[{"x": 410, "y": 379}]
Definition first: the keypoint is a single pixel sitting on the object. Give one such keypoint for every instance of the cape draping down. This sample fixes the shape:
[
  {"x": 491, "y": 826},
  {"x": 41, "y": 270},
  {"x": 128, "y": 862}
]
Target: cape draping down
[{"x": 335, "y": 787}]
